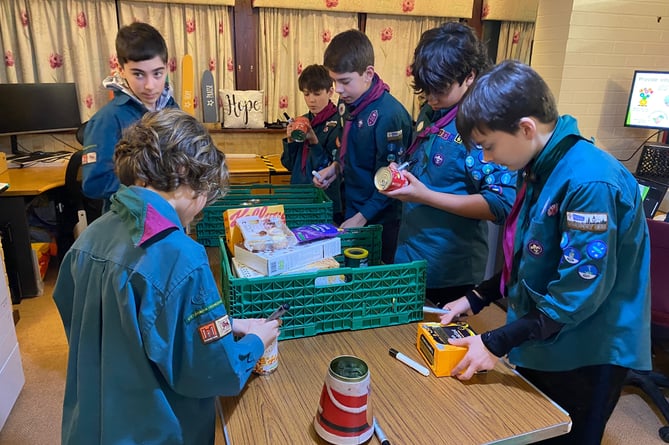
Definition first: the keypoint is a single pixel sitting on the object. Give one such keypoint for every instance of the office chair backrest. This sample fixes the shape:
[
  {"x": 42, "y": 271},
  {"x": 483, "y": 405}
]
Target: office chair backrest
[
  {"x": 80, "y": 133},
  {"x": 654, "y": 163},
  {"x": 659, "y": 269},
  {"x": 92, "y": 208}
]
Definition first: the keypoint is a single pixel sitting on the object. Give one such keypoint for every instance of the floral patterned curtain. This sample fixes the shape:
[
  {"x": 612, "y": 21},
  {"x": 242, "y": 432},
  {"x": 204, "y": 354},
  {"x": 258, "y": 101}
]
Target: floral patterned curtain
[
  {"x": 38, "y": 48},
  {"x": 290, "y": 40},
  {"x": 203, "y": 31},
  {"x": 515, "y": 41},
  {"x": 394, "y": 39}
]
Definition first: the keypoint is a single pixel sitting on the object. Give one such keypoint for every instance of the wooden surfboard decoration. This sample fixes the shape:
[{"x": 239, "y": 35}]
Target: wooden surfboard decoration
[
  {"x": 188, "y": 85},
  {"x": 208, "y": 98}
]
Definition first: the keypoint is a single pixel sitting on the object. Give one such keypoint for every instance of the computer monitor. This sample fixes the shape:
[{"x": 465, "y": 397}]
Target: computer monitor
[
  {"x": 652, "y": 194},
  {"x": 648, "y": 103},
  {"x": 27, "y": 108}
]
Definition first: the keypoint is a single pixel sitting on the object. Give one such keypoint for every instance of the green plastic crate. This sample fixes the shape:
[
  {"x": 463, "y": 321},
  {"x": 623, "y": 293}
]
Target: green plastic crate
[
  {"x": 302, "y": 204},
  {"x": 374, "y": 296}
]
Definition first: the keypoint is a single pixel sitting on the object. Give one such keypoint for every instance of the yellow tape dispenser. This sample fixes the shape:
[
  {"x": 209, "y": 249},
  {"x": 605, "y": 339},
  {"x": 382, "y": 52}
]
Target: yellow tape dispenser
[{"x": 432, "y": 342}]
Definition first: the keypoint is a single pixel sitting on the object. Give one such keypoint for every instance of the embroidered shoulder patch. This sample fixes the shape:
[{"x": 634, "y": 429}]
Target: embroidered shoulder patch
[
  {"x": 373, "y": 116},
  {"x": 89, "y": 158},
  {"x": 420, "y": 126},
  {"x": 588, "y": 222},
  {"x": 214, "y": 330}
]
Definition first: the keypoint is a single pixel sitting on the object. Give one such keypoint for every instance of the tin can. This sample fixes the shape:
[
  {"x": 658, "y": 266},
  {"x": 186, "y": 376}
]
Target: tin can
[
  {"x": 355, "y": 257},
  {"x": 300, "y": 129},
  {"x": 344, "y": 415},
  {"x": 269, "y": 361},
  {"x": 389, "y": 178}
]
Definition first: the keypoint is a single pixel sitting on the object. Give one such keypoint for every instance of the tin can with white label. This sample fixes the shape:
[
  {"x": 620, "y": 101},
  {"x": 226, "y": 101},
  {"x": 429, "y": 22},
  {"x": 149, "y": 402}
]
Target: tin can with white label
[{"x": 269, "y": 361}]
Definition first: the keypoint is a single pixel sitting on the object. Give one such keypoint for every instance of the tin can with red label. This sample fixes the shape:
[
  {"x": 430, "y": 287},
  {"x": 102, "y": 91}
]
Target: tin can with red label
[
  {"x": 300, "y": 129},
  {"x": 389, "y": 178}
]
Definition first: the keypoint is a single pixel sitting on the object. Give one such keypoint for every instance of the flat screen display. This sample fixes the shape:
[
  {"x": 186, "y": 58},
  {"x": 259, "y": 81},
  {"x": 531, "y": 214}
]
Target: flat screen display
[
  {"x": 652, "y": 194},
  {"x": 38, "y": 108},
  {"x": 648, "y": 104}
]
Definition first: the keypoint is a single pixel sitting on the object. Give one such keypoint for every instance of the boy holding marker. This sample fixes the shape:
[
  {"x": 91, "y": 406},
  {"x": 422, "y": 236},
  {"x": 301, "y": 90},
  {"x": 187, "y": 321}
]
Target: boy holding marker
[
  {"x": 151, "y": 344},
  {"x": 577, "y": 255},
  {"x": 371, "y": 119},
  {"x": 320, "y": 145}
]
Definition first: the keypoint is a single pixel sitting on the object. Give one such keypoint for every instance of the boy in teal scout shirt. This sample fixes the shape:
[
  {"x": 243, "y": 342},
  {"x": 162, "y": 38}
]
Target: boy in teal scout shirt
[{"x": 577, "y": 255}]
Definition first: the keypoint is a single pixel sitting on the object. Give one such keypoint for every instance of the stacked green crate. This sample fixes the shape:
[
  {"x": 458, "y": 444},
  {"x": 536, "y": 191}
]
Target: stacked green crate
[
  {"x": 356, "y": 298},
  {"x": 302, "y": 204}
]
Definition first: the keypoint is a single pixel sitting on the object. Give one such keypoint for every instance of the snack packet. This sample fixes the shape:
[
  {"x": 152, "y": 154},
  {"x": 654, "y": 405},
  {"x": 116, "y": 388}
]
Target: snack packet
[
  {"x": 313, "y": 232},
  {"x": 265, "y": 234}
]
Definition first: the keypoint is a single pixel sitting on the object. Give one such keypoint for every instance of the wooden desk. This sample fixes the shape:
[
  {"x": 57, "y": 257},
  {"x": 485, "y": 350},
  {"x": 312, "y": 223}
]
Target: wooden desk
[
  {"x": 246, "y": 170},
  {"x": 497, "y": 407},
  {"x": 278, "y": 174},
  {"x": 24, "y": 184},
  {"x": 32, "y": 181}
]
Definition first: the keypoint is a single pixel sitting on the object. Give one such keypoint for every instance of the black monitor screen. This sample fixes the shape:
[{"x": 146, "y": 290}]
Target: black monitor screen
[
  {"x": 648, "y": 104},
  {"x": 38, "y": 108}
]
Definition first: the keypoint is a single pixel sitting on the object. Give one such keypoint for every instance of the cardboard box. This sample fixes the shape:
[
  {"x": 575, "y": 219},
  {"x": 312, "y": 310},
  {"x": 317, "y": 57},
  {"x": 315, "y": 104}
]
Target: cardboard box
[
  {"x": 233, "y": 235},
  {"x": 281, "y": 261},
  {"x": 241, "y": 270},
  {"x": 3, "y": 162},
  {"x": 432, "y": 343}
]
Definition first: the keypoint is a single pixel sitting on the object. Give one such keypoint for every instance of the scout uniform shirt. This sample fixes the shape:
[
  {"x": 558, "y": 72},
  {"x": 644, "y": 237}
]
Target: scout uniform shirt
[{"x": 150, "y": 342}]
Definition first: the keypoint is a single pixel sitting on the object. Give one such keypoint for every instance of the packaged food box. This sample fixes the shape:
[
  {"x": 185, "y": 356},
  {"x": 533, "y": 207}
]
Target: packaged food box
[{"x": 276, "y": 262}]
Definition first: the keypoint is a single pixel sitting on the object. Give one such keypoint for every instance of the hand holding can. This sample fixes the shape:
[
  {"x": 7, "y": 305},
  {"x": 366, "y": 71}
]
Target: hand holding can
[
  {"x": 301, "y": 126},
  {"x": 391, "y": 177}
]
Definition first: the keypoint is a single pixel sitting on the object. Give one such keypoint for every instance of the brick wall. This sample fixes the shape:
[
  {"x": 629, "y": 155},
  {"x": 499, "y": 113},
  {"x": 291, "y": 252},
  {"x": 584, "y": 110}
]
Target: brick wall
[{"x": 587, "y": 50}]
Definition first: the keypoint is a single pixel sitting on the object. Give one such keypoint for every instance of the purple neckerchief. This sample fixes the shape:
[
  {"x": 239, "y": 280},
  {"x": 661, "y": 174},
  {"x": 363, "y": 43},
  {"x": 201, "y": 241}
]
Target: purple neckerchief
[
  {"x": 508, "y": 237},
  {"x": 377, "y": 89},
  {"x": 326, "y": 113},
  {"x": 154, "y": 223},
  {"x": 433, "y": 129}
]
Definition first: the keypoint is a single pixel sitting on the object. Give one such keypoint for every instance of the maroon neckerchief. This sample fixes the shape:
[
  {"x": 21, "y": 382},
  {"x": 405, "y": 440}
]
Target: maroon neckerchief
[
  {"x": 508, "y": 237},
  {"x": 544, "y": 170},
  {"x": 320, "y": 117},
  {"x": 432, "y": 129},
  {"x": 375, "y": 91}
]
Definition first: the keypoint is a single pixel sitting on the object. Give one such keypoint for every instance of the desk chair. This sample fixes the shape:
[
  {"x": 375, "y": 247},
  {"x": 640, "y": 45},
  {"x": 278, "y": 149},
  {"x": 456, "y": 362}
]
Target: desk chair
[
  {"x": 654, "y": 163},
  {"x": 653, "y": 382},
  {"x": 81, "y": 209}
]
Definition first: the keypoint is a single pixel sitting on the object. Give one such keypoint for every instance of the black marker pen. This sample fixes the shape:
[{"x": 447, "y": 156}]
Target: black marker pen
[{"x": 279, "y": 312}]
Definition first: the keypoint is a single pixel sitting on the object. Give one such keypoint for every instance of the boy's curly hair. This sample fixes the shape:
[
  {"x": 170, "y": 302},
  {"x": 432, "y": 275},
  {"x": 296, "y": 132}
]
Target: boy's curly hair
[
  {"x": 445, "y": 55},
  {"x": 169, "y": 148}
]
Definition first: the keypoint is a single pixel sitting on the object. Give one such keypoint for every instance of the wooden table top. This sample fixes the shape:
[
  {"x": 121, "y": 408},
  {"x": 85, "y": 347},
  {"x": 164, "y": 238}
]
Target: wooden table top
[
  {"x": 494, "y": 407},
  {"x": 32, "y": 181},
  {"x": 238, "y": 164}
]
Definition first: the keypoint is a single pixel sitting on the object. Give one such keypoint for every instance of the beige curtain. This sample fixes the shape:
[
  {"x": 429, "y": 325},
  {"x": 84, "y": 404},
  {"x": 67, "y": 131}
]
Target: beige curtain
[
  {"x": 515, "y": 41},
  {"x": 394, "y": 39},
  {"x": 203, "y": 31},
  {"x": 38, "y": 48},
  {"x": 290, "y": 40}
]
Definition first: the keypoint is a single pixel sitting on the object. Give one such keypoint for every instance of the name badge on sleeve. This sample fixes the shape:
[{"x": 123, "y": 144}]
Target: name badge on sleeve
[{"x": 214, "y": 330}]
